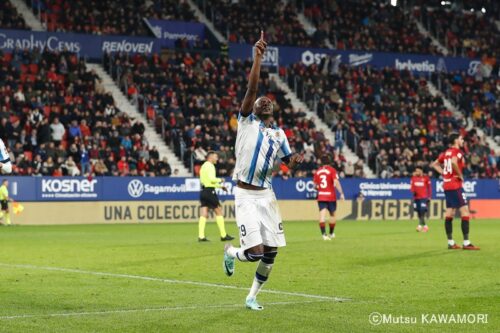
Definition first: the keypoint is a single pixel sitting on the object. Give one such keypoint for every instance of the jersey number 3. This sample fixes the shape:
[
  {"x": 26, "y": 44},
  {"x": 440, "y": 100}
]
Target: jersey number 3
[{"x": 323, "y": 183}]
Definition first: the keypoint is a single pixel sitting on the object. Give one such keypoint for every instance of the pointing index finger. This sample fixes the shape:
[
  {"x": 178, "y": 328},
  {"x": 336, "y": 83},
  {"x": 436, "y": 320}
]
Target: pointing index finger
[{"x": 262, "y": 35}]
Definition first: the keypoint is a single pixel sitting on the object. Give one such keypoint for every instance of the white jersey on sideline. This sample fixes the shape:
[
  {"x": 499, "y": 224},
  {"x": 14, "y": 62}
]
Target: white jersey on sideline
[
  {"x": 257, "y": 148},
  {"x": 4, "y": 155},
  {"x": 4, "y": 159}
]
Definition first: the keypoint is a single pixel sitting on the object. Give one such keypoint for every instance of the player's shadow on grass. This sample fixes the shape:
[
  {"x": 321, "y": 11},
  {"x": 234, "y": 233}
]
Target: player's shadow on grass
[{"x": 384, "y": 260}]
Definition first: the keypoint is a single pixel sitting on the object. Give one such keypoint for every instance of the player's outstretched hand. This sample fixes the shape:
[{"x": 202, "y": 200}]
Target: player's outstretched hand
[
  {"x": 260, "y": 46},
  {"x": 342, "y": 196},
  {"x": 295, "y": 160}
]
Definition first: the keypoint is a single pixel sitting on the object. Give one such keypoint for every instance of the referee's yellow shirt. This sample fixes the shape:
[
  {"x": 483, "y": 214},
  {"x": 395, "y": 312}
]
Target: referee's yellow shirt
[
  {"x": 4, "y": 193},
  {"x": 208, "y": 177}
]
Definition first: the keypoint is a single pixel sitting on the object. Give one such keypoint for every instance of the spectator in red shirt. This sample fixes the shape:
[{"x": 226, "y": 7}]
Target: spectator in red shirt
[{"x": 123, "y": 166}]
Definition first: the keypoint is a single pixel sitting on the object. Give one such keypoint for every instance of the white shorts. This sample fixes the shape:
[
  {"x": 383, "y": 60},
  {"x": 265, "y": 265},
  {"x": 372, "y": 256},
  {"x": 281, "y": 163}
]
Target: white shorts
[
  {"x": 6, "y": 168},
  {"x": 258, "y": 218}
]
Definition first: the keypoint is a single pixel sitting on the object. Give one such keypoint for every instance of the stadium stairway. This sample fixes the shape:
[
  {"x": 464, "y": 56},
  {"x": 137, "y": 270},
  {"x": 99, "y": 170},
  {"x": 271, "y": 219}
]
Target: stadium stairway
[
  {"x": 153, "y": 138},
  {"x": 203, "y": 19},
  {"x": 426, "y": 33},
  {"x": 470, "y": 124},
  {"x": 28, "y": 16},
  {"x": 310, "y": 29},
  {"x": 320, "y": 125}
]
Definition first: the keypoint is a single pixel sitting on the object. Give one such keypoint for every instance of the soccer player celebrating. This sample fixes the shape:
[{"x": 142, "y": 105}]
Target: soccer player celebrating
[
  {"x": 209, "y": 199},
  {"x": 421, "y": 187},
  {"x": 258, "y": 144},
  {"x": 327, "y": 180},
  {"x": 450, "y": 165},
  {"x": 5, "y": 164}
]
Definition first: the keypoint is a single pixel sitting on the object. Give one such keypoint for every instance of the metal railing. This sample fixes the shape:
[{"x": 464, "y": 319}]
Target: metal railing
[{"x": 172, "y": 136}]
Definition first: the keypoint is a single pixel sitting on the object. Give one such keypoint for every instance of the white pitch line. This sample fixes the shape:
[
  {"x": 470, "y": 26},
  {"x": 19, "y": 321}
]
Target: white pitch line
[
  {"x": 173, "y": 308},
  {"x": 148, "y": 278}
]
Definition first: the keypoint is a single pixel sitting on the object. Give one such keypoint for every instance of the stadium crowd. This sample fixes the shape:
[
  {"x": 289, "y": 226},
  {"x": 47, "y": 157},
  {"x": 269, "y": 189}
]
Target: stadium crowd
[
  {"x": 57, "y": 120},
  {"x": 366, "y": 25},
  {"x": 10, "y": 18},
  {"x": 241, "y": 21},
  {"x": 108, "y": 17},
  {"x": 464, "y": 33},
  {"x": 198, "y": 98},
  {"x": 477, "y": 97},
  {"x": 388, "y": 117}
]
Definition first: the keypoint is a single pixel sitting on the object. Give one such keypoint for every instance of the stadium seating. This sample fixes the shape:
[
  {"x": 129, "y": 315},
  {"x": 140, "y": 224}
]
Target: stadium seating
[
  {"x": 241, "y": 22},
  {"x": 464, "y": 33},
  {"x": 477, "y": 97},
  {"x": 10, "y": 18},
  {"x": 366, "y": 25},
  {"x": 388, "y": 117},
  {"x": 107, "y": 16},
  {"x": 195, "y": 100},
  {"x": 57, "y": 120}
]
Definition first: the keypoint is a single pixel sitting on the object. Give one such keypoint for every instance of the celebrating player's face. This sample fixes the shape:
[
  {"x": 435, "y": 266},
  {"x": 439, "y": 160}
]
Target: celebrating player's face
[{"x": 263, "y": 108}]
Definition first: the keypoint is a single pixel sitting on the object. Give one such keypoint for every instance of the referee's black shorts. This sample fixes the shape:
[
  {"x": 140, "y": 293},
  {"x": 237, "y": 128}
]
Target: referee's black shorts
[
  {"x": 4, "y": 205},
  {"x": 208, "y": 198}
]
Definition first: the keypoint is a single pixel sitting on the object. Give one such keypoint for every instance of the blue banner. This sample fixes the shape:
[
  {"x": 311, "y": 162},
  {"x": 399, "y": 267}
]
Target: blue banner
[
  {"x": 174, "y": 189},
  {"x": 92, "y": 46},
  {"x": 170, "y": 31},
  {"x": 285, "y": 56}
]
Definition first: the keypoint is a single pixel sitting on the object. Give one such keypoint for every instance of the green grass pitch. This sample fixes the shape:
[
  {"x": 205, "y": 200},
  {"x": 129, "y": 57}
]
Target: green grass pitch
[{"x": 135, "y": 278}]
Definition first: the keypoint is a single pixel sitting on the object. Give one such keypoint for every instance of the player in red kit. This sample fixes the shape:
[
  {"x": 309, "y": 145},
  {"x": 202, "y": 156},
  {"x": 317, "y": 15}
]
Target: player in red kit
[
  {"x": 421, "y": 187},
  {"x": 450, "y": 165},
  {"x": 327, "y": 180}
]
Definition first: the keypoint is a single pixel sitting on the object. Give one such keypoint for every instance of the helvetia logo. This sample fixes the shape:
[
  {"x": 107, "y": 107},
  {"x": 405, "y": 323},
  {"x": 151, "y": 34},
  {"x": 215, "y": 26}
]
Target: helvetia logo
[{"x": 424, "y": 66}]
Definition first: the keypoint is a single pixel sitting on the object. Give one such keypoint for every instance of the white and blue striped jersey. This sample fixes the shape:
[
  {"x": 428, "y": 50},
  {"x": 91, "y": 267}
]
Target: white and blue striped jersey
[
  {"x": 4, "y": 155},
  {"x": 257, "y": 148}
]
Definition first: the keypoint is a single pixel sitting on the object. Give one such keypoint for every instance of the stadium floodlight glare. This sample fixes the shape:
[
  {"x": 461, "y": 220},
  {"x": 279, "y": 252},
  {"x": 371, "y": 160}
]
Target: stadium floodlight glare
[
  {"x": 394, "y": 3},
  {"x": 483, "y": 10}
]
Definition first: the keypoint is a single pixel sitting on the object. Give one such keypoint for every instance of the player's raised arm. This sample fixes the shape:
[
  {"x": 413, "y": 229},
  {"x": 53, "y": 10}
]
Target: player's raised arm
[{"x": 253, "y": 80}]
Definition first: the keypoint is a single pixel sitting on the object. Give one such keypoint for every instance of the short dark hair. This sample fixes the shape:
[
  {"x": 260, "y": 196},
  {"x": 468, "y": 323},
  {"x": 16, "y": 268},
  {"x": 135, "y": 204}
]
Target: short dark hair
[
  {"x": 211, "y": 152},
  {"x": 325, "y": 159},
  {"x": 452, "y": 137}
]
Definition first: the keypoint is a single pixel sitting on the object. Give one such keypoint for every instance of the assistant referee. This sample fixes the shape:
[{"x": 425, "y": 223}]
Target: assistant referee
[
  {"x": 4, "y": 202},
  {"x": 209, "y": 199}
]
